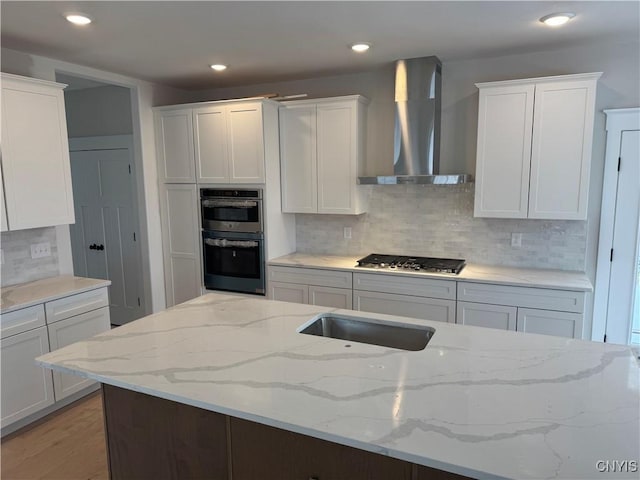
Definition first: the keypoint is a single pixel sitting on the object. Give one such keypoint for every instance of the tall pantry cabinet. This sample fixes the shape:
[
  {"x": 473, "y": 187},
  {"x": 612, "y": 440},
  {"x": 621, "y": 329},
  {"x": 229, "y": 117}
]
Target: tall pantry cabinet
[
  {"x": 208, "y": 143},
  {"x": 534, "y": 147}
]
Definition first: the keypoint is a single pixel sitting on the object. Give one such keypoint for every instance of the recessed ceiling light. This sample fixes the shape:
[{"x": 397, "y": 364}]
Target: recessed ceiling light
[
  {"x": 557, "y": 19},
  {"x": 218, "y": 67},
  {"x": 78, "y": 18},
  {"x": 360, "y": 47}
]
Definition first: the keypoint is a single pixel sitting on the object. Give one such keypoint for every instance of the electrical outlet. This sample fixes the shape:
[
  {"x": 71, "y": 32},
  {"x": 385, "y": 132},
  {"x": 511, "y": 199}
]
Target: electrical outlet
[
  {"x": 40, "y": 250},
  {"x": 516, "y": 240},
  {"x": 347, "y": 232}
]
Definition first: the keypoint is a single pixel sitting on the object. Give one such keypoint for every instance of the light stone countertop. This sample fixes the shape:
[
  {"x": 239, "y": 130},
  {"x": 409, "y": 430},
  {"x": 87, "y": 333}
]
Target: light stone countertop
[
  {"x": 25, "y": 295},
  {"x": 476, "y": 401},
  {"x": 523, "y": 277}
]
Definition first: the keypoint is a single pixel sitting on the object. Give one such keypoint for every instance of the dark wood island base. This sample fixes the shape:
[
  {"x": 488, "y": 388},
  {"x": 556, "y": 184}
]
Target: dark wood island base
[{"x": 152, "y": 438}]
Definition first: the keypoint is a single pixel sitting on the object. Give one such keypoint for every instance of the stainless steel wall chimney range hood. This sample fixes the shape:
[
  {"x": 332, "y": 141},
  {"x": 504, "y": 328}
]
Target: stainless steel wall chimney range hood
[{"x": 416, "y": 149}]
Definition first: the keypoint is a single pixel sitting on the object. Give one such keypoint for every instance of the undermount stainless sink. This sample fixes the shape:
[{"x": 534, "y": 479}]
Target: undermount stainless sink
[{"x": 374, "y": 332}]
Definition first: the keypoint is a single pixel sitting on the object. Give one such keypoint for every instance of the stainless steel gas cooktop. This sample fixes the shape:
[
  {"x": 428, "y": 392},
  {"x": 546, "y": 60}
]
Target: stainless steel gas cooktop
[{"x": 399, "y": 262}]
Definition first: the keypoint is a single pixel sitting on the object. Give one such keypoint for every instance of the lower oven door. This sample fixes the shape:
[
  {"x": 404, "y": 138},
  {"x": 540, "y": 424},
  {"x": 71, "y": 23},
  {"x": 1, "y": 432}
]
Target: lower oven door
[{"x": 233, "y": 261}]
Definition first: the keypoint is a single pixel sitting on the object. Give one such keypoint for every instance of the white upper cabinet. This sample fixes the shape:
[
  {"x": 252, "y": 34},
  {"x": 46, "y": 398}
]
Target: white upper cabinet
[
  {"x": 211, "y": 146},
  {"x": 35, "y": 154},
  {"x": 534, "y": 147},
  {"x": 218, "y": 142},
  {"x": 322, "y": 155},
  {"x": 298, "y": 159},
  {"x": 245, "y": 142},
  {"x": 3, "y": 209},
  {"x": 174, "y": 140}
]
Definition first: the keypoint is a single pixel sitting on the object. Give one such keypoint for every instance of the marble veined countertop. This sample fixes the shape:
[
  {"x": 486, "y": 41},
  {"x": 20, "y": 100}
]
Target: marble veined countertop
[
  {"x": 476, "y": 401},
  {"x": 28, "y": 294},
  {"x": 523, "y": 277}
]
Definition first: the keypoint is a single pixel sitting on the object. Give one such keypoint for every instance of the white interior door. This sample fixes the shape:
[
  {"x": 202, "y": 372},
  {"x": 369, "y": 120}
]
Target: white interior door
[
  {"x": 623, "y": 284},
  {"x": 104, "y": 240}
]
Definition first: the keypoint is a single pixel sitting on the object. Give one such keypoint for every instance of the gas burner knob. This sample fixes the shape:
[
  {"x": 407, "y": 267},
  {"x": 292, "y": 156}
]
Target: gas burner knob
[
  {"x": 416, "y": 267},
  {"x": 382, "y": 265}
]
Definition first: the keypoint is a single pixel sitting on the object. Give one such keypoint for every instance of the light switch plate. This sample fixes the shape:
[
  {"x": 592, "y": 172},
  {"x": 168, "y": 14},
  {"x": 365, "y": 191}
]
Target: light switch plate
[
  {"x": 347, "y": 232},
  {"x": 41, "y": 250}
]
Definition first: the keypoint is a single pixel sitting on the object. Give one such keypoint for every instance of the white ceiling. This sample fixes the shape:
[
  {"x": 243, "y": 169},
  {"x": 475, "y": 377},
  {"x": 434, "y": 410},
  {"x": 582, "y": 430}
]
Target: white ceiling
[{"x": 174, "y": 42}]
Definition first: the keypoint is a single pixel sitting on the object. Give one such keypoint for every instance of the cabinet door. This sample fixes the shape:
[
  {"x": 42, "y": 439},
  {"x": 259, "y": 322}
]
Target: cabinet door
[
  {"x": 336, "y": 153},
  {"x": 26, "y": 387},
  {"x": 298, "y": 159},
  {"x": 289, "y": 292},
  {"x": 548, "y": 322},
  {"x": 4, "y": 225},
  {"x": 246, "y": 143},
  {"x": 405, "y": 306},
  {"x": 181, "y": 243},
  {"x": 331, "y": 297},
  {"x": 561, "y": 150},
  {"x": 174, "y": 145},
  {"x": 503, "y": 156},
  {"x": 211, "y": 144},
  {"x": 484, "y": 315},
  {"x": 71, "y": 330},
  {"x": 35, "y": 155},
  {"x": 259, "y": 451}
]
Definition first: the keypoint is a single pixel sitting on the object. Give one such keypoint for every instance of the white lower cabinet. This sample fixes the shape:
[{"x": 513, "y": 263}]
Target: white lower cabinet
[
  {"x": 423, "y": 308},
  {"x": 548, "y": 322},
  {"x": 524, "y": 309},
  {"x": 483, "y": 315},
  {"x": 311, "y": 294},
  {"x": 71, "y": 330},
  {"x": 289, "y": 292},
  {"x": 330, "y": 297},
  {"x": 26, "y": 387}
]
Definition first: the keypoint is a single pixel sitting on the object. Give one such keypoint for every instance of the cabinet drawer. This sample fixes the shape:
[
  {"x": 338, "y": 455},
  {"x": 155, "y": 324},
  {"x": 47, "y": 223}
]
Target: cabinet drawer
[
  {"x": 21, "y": 320},
  {"x": 544, "y": 298},
  {"x": 311, "y": 276},
  {"x": 76, "y": 304},
  {"x": 421, "y": 287},
  {"x": 423, "y": 308}
]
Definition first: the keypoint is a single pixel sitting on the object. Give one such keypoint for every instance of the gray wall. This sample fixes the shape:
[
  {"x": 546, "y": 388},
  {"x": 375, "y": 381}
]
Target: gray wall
[
  {"x": 18, "y": 265},
  {"x": 98, "y": 111}
]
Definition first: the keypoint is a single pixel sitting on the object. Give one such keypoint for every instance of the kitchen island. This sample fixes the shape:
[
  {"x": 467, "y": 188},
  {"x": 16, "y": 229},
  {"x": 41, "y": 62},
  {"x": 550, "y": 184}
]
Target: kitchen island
[{"x": 475, "y": 402}]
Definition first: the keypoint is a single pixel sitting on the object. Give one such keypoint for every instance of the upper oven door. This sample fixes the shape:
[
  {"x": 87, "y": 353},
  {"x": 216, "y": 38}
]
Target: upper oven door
[{"x": 228, "y": 214}]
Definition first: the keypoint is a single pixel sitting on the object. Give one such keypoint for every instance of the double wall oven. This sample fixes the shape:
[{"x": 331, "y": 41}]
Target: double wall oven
[{"x": 233, "y": 240}]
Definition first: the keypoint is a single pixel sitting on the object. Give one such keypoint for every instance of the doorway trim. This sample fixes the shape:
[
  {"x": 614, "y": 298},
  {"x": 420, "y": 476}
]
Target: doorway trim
[
  {"x": 618, "y": 120},
  {"x": 138, "y": 162}
]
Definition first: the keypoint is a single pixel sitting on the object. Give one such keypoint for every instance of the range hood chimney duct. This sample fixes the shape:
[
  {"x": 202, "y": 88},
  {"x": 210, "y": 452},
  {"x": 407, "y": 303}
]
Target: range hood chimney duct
[{"x": 416, "y": 148}]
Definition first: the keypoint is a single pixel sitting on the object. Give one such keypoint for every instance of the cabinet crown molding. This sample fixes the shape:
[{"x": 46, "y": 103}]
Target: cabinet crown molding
[
  {"x": 214, "y": 102},
  {"x": 555, "y": 78},
  {"x": 9, "y": 78},
  {"x": 313, "y": 101}
]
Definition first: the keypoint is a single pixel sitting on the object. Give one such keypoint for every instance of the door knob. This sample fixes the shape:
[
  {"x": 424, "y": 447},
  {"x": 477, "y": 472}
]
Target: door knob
[
  {"x": 100, "y": 247},
  {"x": 93, "y": 246}
]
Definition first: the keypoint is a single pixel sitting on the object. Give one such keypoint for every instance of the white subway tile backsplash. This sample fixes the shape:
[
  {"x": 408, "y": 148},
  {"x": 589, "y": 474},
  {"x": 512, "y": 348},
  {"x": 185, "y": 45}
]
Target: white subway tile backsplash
[
  {"x": 438, "y": 221},
  {"x": 18, "y": 265}
]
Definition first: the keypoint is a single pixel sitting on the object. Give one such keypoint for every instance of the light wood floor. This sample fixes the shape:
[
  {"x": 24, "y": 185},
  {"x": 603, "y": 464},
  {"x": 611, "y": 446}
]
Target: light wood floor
[{"x": 69, "y": 445}]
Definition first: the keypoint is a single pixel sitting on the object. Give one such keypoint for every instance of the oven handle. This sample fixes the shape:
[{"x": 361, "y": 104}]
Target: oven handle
[
  {"x": 229, "y": 203},
  {"x": 223, "y": 242}
]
